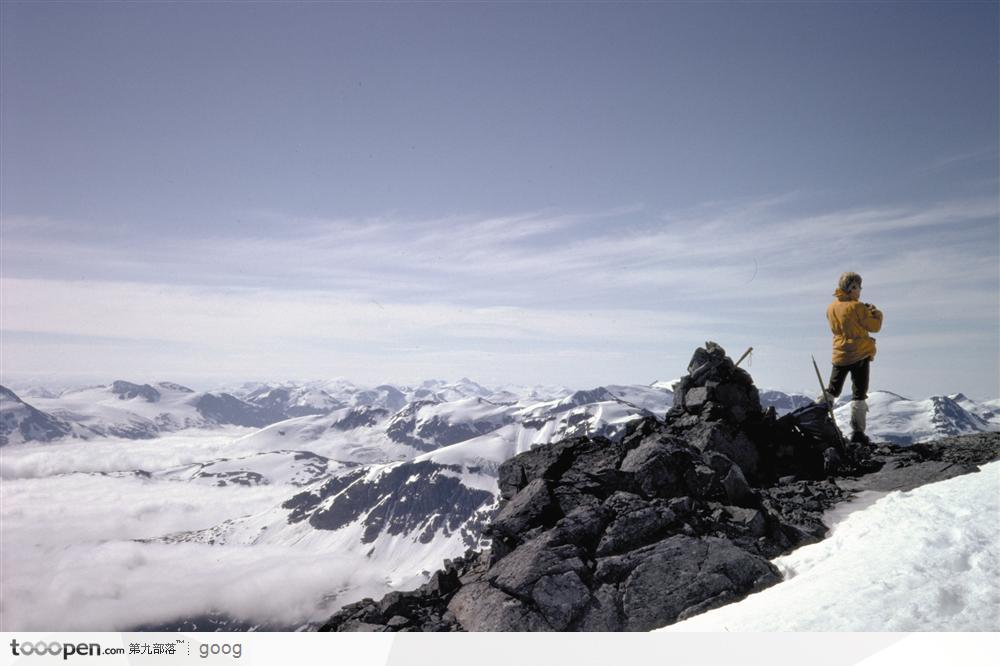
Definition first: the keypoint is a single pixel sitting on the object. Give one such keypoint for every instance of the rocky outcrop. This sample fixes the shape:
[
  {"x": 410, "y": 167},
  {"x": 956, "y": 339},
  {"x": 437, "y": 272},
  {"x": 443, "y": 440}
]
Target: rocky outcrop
[
  {"x": 129, "y": 391},
  {"x": 674, "y": 519},
  {"x": 359, "y": 417},
  {"x": 905, "y": 468},
  {"x": 223, "y": 408}
]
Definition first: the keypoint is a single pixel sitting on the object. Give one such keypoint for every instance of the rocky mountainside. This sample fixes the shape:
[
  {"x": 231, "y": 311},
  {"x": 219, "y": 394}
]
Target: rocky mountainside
[
  {"x": 20, "y": 421},
  {"x": 672, "y": 519}
]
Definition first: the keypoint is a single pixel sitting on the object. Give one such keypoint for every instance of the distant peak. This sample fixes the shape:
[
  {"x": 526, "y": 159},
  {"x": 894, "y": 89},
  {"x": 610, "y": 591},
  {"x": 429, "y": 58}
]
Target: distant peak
[
  {"x": 127, "y": 391},
  {"x": 599, "y": 394}
]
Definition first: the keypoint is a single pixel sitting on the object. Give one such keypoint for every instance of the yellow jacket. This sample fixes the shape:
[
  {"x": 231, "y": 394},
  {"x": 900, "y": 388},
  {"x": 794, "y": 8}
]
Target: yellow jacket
[{"x": 851, "y": 321}]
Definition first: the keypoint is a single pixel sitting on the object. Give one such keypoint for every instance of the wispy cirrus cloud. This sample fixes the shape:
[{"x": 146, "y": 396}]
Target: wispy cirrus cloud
[
  {"x": 520, "y": 252},
  {"x": 959, "y": 159},
  {"x": 493, "y": 286}
]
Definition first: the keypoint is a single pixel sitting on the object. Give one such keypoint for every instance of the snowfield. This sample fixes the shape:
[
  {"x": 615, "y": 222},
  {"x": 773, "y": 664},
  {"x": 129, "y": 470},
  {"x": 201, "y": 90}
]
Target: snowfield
[{"x": 923, "y": 560}]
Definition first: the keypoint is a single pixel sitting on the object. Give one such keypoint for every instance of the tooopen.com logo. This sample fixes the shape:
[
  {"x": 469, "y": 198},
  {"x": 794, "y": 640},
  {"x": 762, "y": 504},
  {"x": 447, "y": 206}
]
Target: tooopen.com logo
[{"x": 55, "y": 648}]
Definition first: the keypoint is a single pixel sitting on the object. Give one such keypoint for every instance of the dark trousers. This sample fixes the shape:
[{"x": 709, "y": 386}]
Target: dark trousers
[{"x": 859, "y": 379}]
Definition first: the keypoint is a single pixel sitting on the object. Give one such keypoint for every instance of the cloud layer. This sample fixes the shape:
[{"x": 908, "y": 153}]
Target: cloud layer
[
  {"x": 71, "y": 561},
  {"x": 533, "y": 297}
]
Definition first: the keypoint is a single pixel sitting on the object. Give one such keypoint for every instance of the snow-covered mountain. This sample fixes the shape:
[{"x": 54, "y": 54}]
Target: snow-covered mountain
[
  {"x": 427, "y": 425},
  {"x": 131, "y": 411},
  {"x": 294, "y": 400},
  {"x": 387, "y": 422},
  {"x": 325, "y": 396},
  {"x": 782, "y": 402},
  {"x": 988, "y": 410},
  {"x": 893, "y": 418},
  {"x": 20, "y": 422}
]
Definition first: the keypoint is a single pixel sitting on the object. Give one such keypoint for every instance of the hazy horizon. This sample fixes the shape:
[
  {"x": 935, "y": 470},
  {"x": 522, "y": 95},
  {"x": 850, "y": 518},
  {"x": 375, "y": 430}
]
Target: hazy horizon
[{"x": 200, "y": 385}]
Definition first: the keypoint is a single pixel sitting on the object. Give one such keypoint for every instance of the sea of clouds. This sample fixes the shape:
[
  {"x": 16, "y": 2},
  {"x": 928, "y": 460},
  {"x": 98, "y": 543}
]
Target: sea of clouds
[{"x": 72, "y": 559}]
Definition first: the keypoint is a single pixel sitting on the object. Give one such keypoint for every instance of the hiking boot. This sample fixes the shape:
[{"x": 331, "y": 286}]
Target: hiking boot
[{"x": 860, "y": 438}]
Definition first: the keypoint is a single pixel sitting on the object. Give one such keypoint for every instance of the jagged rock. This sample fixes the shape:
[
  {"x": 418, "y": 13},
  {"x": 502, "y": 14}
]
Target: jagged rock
[
  {"x": 658, "y": 466},
  {"x": 582, "y": 527},
  {"x": 560, "y": 598},
  {"x": 570, "y": 498},
  {"x": 592, "y": 465},
  {"x": 397, "y": 622},
  {"x": 751, "y": 521},
  {"x": 636, "y": 523},
  {"x": 681, "y": 572},
  {"x": 695, "y": 399},
  {"x": 525, "y": 510},
  {"x": 603, "y": 610},
  {"x": 481, "y": 607},
  {"x": 443, "y": 582},
  {"x": 734, "y": 483},
  {"x": 903, "y": 476},
  {"x": 517, "y": 573},
  {"x": 720, "y": 437},
  {"x": 534, "y": 464}
]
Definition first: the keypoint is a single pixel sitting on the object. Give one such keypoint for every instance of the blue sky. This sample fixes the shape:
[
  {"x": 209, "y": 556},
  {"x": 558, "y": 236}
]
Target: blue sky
[{"x": 575, "y": 193}]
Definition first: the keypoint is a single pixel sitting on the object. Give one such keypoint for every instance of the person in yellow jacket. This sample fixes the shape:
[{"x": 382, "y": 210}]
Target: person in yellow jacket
[{"x": 851, "y": 321}]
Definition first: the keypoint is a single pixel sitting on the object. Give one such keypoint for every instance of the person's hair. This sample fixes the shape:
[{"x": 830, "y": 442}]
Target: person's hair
[{"x": 848, "y": 281}]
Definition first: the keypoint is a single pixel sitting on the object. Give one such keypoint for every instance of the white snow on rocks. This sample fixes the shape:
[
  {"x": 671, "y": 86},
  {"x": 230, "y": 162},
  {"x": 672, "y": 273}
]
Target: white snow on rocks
[{"x": 923, "y": 560}]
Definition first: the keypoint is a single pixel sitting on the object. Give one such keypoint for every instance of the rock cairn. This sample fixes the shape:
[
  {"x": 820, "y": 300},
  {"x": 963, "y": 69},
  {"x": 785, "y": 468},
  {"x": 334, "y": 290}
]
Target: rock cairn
[{"x": 678, "y": 517}]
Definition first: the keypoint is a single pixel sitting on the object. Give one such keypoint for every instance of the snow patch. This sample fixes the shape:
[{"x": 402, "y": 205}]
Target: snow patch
[{"x": 923, "y": 560}]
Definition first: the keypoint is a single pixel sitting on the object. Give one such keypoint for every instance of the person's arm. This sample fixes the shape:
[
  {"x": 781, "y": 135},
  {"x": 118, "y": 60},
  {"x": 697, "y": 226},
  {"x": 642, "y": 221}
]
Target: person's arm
[{"x": 871, "y": 317}]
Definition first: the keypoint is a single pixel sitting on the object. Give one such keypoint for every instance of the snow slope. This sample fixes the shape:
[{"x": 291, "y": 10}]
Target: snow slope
[
  {"x": 351, "y": 434},
  {"x": 923, "y": 560}
]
